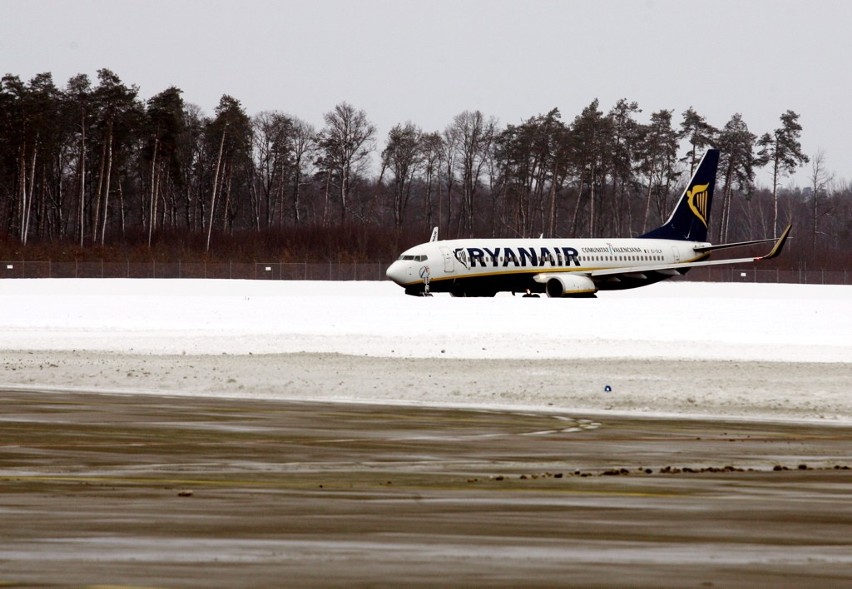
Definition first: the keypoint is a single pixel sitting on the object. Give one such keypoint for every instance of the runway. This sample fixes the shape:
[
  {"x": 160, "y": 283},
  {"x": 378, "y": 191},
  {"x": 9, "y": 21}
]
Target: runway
[{"x": 157, "y": 491}]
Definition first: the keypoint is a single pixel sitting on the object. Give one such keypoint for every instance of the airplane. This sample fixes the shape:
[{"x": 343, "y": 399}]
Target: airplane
[{"x": 566, "y": 268}]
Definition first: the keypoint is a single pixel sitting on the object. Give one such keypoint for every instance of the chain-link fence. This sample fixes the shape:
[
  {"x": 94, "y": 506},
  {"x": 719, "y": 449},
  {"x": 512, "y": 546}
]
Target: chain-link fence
[
  {"x": 769, "y": 275},
  {"x": 350, "y": 271},
  {"x": 235, "y": 270}
]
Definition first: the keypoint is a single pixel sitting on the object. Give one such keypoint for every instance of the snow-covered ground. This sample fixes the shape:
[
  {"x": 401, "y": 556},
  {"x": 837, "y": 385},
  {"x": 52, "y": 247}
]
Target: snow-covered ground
[
  {"x": 638, "y": 336},
  {"x": 675, "y": 320}
]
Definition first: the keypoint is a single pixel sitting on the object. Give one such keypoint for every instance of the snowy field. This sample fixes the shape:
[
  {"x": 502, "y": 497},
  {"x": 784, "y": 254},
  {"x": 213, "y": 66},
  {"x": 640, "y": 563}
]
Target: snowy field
[
  {"x": 672, "y": 320},
  {"x": 660, "y": 326}
]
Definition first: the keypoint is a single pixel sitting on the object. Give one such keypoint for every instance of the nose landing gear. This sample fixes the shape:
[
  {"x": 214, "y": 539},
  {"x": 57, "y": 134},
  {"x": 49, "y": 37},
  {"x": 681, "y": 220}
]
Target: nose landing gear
[{"x": 424, "y": 274}]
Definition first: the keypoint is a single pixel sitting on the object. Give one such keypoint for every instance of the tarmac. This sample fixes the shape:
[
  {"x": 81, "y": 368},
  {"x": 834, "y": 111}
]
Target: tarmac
[{"x": 192, "y": 491}]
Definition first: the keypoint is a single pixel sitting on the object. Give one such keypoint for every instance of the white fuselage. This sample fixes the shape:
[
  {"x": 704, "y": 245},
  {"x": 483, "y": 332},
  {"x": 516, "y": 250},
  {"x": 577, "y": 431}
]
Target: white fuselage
[{"x": 511, "y": 264}]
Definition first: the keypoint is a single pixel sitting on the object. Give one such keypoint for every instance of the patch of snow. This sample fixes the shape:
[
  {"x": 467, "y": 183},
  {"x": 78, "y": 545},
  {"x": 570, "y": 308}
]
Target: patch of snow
[{"x": 670, "y": 320}]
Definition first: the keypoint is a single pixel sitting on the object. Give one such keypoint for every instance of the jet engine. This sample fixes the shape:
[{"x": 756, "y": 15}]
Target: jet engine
[{"x": 569, "y": 285}]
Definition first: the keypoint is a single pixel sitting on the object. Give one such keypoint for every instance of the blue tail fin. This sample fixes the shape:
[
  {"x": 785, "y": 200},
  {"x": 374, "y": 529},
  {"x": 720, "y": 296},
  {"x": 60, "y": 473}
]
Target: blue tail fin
[{"x": 688, "y": 221}]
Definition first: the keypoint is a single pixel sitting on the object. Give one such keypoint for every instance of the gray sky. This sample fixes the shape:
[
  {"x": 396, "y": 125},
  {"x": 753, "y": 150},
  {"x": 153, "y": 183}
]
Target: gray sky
[{"x": 428, "y": 60}]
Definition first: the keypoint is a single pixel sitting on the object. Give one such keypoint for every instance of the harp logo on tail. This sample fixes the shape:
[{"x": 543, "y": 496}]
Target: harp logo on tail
[{"x": 697, "y": 200}]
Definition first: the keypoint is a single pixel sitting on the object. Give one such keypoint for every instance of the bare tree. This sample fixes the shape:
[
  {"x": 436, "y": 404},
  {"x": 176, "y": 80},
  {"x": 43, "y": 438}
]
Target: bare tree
[
  {"x": 820, "y": 181},
  {"x": 272, "y": 152},
  {"x": 282, "y": 150},
  {"x": 402, "y": 157},
  {"x": 431, "y": 146},
  {"x": 346, "y": 141},
  {"x": 475, "y": 137},
  {"x": 449, "y": 145},
  {"x": 303, "y": 145}
]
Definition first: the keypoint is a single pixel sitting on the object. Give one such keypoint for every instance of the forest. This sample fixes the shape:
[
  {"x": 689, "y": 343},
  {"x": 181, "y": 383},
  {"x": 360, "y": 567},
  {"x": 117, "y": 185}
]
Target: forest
[{"x": 94, "y": 171}]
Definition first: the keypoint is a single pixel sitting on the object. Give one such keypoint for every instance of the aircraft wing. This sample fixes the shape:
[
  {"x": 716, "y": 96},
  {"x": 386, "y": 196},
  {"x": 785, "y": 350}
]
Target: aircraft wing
[{"x": 672, "y": 269}]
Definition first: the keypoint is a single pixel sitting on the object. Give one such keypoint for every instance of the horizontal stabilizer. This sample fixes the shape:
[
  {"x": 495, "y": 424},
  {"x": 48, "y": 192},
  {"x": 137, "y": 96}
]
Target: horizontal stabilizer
[
  {"x": 680, "y": 267},
  {"x": 723, "y": 246}
]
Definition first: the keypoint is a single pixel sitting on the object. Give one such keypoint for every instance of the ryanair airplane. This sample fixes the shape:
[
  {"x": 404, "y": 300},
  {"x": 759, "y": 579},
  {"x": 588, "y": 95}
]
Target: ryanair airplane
[{"x": 574, "y": 267}]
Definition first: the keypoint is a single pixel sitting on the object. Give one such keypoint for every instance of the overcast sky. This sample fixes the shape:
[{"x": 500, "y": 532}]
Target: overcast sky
[{"x": 427, "y": 60}]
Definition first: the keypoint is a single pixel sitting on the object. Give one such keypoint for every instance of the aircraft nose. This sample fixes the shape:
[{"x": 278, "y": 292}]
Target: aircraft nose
[{"x": 397, "y": 272}]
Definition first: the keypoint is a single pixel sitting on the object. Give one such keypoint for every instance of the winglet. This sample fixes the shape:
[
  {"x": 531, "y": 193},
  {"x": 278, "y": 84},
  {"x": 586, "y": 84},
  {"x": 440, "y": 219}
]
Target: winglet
[
  {"x": 779, "y": 245},
  {"x": 434, "y": 235}
]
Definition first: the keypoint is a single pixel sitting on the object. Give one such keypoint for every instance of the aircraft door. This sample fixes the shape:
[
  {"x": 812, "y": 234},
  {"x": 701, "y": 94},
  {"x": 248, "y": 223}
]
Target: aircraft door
[
  {"x": 448, "y": 260},
  {"x": 676, "y": 254}
]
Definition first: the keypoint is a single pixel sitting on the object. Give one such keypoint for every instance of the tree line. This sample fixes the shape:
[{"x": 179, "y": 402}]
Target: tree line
[{"x": 94, "y": 166}]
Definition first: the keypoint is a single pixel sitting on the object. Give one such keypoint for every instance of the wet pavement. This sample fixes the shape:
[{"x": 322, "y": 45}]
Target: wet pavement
[{"x": 208, "y": 492}]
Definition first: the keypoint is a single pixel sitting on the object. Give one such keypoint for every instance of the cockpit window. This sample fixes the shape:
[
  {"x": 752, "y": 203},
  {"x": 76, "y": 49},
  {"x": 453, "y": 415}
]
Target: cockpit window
[{"x": 412, "y": 258}]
